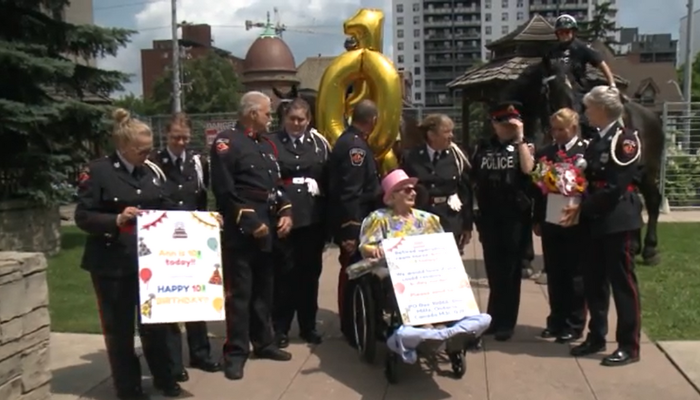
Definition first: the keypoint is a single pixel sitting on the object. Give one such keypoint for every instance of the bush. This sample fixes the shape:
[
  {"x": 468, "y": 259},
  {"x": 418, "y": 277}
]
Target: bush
[{"x": 682, "y": 177}]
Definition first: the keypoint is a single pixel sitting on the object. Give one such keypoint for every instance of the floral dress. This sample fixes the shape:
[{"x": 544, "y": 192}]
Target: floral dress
[{"x": 384, "y": 224}]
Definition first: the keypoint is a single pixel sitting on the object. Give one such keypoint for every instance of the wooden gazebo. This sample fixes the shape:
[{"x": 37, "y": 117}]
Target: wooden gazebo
[{"x": 510, "y": 56}]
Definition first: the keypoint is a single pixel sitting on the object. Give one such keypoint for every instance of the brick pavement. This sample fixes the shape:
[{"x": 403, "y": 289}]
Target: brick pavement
[{"x": 526, "y": 368}]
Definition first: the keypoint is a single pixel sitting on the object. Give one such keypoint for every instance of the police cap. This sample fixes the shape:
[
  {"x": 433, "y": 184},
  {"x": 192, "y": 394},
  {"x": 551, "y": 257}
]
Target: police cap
[{"x": 505, "y": 111}]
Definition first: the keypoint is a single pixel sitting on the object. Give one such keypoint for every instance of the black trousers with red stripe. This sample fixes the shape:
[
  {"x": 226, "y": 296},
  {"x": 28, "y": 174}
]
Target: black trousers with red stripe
[
  {"x": 611, "y": 265},
  {"x": 118, "y": 304}
]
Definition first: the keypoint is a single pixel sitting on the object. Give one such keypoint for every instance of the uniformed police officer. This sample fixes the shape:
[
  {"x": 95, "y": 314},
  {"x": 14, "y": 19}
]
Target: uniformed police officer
[
  {"x": 501, "y": 167},
  {"x": 442, "y": 168},
  {"x": 353, "y": 191},
  {"x": 113, "y": 191},
  {"x": 561, "y": 246},
  {"x": 614, "y": 211},
  {"x": 303, "y": 156},
  {"x": 187, "y": 180},
  {"x": 249, "y": 195}
]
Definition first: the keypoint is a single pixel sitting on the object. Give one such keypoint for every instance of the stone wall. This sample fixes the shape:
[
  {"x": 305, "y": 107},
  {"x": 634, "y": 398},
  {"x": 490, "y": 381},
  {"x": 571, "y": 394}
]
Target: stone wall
[
  {"x": 24, "y": 327},
  {"x": 28, "y": 227}
]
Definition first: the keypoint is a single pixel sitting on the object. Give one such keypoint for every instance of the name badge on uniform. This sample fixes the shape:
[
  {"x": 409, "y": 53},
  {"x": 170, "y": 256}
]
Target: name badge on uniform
[{"x": 604, "y": 157}]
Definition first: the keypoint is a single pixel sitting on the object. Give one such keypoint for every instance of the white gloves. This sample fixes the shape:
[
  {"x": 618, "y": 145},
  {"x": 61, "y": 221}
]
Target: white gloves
[
  {"x": 312, "y": 186},
  {"x": 454, "y": 202}
]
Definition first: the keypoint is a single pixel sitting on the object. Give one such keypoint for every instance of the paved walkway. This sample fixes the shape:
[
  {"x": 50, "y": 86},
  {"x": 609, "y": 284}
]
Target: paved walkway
[{"x": 526, "y": 368}]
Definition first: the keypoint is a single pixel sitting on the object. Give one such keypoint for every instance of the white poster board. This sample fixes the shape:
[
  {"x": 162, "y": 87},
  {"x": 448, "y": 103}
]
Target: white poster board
[
  {"x": 429, "y": 279},
  {"x": 180, "y": 273},
  {"x": 555, "y": 207}
]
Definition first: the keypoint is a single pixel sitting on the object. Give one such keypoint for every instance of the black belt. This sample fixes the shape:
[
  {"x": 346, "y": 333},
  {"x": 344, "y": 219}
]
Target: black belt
[
  {"x": 259, "y": 195},
  {"x": 434, "y": 200}
]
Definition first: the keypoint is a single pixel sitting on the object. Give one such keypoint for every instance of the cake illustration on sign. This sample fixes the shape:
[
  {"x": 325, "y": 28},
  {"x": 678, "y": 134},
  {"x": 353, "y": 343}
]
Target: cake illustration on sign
[
  {"x": 143, "y": 249},
  {"x": 180, "y": 232},
  {"x": 147, "y": 306},
  {"x": 216, "y": 276}
]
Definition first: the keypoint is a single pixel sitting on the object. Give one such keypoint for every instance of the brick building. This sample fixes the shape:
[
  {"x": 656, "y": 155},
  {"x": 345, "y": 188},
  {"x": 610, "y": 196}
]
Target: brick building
[{"x": 196, "y": 42}]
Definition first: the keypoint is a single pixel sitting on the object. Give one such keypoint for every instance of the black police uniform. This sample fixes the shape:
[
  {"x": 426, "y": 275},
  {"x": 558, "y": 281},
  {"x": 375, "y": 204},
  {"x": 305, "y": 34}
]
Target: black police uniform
[
  {"x": 246, "y": 182},
  {"x": 502, "y": 195},
  {"x": 576, "y": 55},
  {"x": 613, "y": 208},
  {"x": 353, "y": 193},
  {"x": 109, "y": 186},
  {"x": 563, "y": 262},
  {"x": 442, "y": 177},
  {"x": 302, "y": 162},
  {"x": 186, "y": 186}
]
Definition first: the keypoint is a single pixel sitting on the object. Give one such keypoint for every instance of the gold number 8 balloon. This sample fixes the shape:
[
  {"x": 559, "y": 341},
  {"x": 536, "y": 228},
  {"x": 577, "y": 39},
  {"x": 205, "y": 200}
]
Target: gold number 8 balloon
[{"x": 374, "y": 76}]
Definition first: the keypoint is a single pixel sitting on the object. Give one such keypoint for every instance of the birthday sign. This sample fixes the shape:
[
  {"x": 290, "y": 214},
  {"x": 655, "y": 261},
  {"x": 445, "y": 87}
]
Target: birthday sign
[
  {"x": 429, "y": 279},
  {"x": 180, "y": 267}
]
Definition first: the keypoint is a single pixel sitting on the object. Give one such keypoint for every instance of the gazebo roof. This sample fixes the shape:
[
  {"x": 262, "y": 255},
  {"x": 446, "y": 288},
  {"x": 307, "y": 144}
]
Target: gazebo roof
[
  {"x": 503, "y": 70},
  {"x": 537, "y": 29}
]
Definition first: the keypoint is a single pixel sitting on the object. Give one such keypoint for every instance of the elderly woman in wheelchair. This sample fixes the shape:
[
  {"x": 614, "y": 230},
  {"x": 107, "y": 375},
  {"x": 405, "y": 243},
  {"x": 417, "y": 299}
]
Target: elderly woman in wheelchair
[{"x": 375, "y": 311}]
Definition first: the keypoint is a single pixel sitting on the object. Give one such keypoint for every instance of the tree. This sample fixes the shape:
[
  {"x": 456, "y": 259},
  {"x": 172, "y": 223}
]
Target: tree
[
  {"x": 600, "y": 27},
  {"x": 695, "y": 79},
  {"x": 211, "y": 86},
  {"x": 52, "y": 103},
  {"x": 137, "y": 105}
]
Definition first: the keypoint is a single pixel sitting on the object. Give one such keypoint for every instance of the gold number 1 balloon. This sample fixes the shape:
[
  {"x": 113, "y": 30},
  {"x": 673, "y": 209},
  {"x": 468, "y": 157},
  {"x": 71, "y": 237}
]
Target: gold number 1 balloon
[{"x": 377, "y": 79}]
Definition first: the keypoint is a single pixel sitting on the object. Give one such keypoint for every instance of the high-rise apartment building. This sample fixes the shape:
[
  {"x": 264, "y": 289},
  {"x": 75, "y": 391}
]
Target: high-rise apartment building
[{"x": 437, "y": 40}]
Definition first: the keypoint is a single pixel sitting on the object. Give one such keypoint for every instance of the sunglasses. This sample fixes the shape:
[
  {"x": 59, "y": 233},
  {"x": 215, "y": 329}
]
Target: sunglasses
[{"x": 407, "y": 190}]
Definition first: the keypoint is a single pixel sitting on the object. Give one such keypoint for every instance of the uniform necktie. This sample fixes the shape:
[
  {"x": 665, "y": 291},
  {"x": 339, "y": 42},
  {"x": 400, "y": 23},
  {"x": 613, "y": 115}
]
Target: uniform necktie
[
  {"x": 297, "y": 143},
  {"x": 136, "y": 173},
  {"x": 562, "y": 147},
  {"x": 178, "y": 163},
  {"x": 436, "y": 157}
]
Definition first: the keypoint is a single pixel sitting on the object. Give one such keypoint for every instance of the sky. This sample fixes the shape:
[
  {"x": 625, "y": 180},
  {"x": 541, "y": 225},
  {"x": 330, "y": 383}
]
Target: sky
[{"x": 313, "y": 26}]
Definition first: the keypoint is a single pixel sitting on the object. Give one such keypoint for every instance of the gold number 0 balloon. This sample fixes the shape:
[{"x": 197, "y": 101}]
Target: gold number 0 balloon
[{"x": 369, "y": 68}]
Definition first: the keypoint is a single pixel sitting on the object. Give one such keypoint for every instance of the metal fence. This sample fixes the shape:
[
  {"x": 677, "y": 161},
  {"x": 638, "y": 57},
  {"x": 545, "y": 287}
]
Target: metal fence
[{"x": 680, "y": 169}]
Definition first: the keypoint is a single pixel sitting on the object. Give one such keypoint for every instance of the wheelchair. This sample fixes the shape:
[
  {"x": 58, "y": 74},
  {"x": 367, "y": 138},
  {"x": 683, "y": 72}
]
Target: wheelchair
[{"x": 376, "y": 317}]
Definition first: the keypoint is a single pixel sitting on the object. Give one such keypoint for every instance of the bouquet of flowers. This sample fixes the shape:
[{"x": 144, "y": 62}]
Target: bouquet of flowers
[{"x": 564, "y": 177}]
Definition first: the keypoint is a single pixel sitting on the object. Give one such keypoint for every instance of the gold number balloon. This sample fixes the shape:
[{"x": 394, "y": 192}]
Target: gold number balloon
[{"x": 376, "y": 79}]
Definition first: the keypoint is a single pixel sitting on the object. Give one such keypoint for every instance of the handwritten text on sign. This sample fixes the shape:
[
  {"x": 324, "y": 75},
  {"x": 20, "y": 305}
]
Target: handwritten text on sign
[
  {"x": 429, "y": 279},
  {"x": 180, "y": 267}
]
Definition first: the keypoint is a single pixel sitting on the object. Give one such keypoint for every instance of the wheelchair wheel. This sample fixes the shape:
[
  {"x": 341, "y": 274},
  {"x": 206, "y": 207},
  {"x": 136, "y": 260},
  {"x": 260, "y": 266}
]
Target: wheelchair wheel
[
  {"x": 458, "y": 364},
  {"x": 391, "y": 367},
  {"x": 363, "y": 312}
]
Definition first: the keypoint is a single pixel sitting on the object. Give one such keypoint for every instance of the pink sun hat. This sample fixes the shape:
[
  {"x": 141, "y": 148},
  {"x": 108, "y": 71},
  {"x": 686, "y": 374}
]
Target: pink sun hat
[{"x": 396, "y": 180}]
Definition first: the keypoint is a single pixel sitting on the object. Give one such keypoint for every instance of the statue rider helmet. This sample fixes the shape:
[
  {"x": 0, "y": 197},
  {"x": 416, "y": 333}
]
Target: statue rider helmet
[{"x": 565, "y": 22}]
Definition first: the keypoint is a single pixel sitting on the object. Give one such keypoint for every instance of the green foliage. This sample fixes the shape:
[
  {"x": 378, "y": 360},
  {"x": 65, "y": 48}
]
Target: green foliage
[
  {"x": 138, "y": 105},
  {"x": 682, "y": 183},
  {"x": 52, "y": 101},
  {"x": 211, "y": 86},
  {"x": 695, "y": 79},
  {"x": 601, "y": 26}
]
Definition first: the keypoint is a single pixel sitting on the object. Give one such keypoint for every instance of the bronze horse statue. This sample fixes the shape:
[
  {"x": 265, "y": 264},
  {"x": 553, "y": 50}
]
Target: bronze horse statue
[{"x": 546, "y": 87}]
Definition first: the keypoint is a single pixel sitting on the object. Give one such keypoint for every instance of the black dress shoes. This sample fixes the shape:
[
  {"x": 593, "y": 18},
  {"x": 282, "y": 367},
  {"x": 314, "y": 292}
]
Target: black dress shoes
[
  {"x": 503, "y": 335},
  {"x": 135, "y": 394},
  {"x": 619, "y": 358},
  {"x": 587, "y": 348},
  {"x": 273, "y": 353},
  {"x": 281, "y": 340},
  {"x": 311, "y": 337},
  {"x": 566, "y": 337},
  {"x": 548, "y": 333},
  {"x": 233, "y": 368},
  {"x": 206, "y": 365},
  {"x": 168, "y": 389},
  {"x": 182, "y": 377}
]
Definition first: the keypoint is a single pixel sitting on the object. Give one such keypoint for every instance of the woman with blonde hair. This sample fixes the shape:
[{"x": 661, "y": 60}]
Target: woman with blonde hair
[
  {"x": 441, "y": 170},
  {"x": 113, "y": 192},
  {"x": 613, "y": 209},
  {"x": 564, "y": 282}
]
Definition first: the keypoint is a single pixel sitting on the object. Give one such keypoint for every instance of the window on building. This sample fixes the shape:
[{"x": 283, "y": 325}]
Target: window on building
[
  {"x": 520, "y": 4},
  {"x": 416, "y": 58},
  {"x": 399, "y": 21},
  {"x": 487, "y": 30},
  {"x": 504, "y": 29},
  {"x": 487, "y": 4},
  {"x": 400, "y": 59},
  {"x": 399, "y": 46},
  {"x": 416, "y": 70},
  {"x": 417, "y": 83},
  {"x": 487, "y": 17},
  {"x": 399, "y": 8},
  {"x": 416, "y": 20},
  {"x": 416, "y": 33},
  {"x": 416, "y": 7},
  {"x": 416, "y": 45},
  {"x": 399, "y": 33},
  {"x": 504, "y": 3},
  {"x": 504, "y": 16},
  {"x": 417, "y": 96},
  {"x": 488, "y": 41},
  {"x": 521, "y": 15}
]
